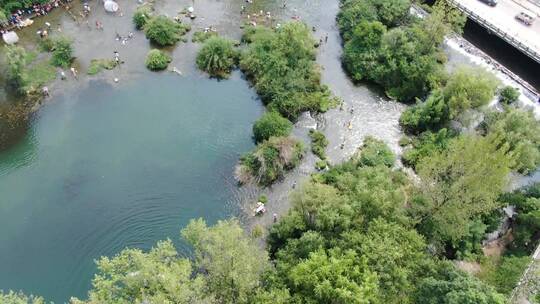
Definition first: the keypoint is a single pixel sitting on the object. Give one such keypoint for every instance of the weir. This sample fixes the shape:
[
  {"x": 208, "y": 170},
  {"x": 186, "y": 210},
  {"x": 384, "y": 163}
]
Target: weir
[{"x": 501, "y": 21}]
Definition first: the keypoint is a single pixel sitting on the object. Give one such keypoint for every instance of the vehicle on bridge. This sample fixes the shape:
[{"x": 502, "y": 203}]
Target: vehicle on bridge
[
  {"x": 525, "y": 19},
  {"x": 490, "y": 2}
]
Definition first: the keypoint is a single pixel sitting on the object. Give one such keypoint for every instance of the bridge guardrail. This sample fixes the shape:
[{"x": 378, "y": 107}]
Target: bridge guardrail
[{"x": 513, "y": 41}]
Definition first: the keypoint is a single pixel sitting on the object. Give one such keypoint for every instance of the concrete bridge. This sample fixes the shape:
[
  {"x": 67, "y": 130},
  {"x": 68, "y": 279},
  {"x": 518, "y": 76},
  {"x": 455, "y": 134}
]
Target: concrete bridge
[{"x": 500, "y": 20}]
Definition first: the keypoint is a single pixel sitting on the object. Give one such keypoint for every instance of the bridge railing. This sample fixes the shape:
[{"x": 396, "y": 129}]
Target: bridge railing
[{"x": 504, "y": 35}]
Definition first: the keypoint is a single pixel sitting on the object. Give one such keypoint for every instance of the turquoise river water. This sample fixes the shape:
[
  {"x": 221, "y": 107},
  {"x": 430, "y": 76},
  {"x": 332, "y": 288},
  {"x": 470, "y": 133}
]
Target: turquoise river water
[{"x": 109, "y": 167}]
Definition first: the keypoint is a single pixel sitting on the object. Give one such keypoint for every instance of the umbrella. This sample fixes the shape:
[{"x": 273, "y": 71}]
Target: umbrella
[
  {"x": 10, "y": 37},
  {"x": 110, "y": 6}
]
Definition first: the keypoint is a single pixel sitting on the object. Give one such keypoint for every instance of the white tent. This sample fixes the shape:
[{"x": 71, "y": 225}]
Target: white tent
[
  {"x": 110, "y": 6},
  {"x": 10, "y": 37}
]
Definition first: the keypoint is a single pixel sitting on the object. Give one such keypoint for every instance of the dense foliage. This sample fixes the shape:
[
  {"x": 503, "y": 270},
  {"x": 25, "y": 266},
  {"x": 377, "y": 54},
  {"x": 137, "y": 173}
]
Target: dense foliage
[
  {"x": 19, "y": 298},
  {"x": 281, "y": 64},
  {"x": 508, "y": 95},
  {"x": 425, "y": 145},
  {"x": 141, "y": 16},
  {"x": 348, "y": 233},
  {"x": 164, "y": 31},
  {"x": 157, "y": 60},
  {"x": 269, "y": 161},
  {"x": 226, "y": 269},
  {"x": 519, "y": 132},
  {"x": 405, "y": 59},
  {"x": 318, "y": 143},
  {"x": 467, "y": 88},
  {"x": 9, "y": 6},
  {"x": 217, "y": 57},
  {"x": 269, "y": 125},
  {"x": 459, "y": 183},
  {"x": 62, "y": 52},
  {"x": 376, "y": 153}
]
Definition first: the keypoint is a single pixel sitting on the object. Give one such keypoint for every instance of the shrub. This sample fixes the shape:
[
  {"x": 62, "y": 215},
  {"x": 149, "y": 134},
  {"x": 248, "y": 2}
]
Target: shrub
[
  {"x": 202, "y": 36},
  {"x": 426, "y": 145},
  {"x": 429, "y": 115},
  {"x": 97, "y": 65},
  {"x": 217, "y": 57},
  {"x": 62, "y": 52},
  {"x": 281, "y": 64},
  {"x": 508, "y": 95},
  {"x": 318, "y": 143},
  {"x": 269, "y": 161},
  {"x": 271, "y": 124},
  {"x": 164, "y": 31},
  {"x": 504, "y": 274},
  {"x": 157, "y": 60},
  {"x": 141, "y": 16},
  {"x": 321, "y": 164},
  {"x": 375, "y": 152},
  {"x": 15, "y": 59},
  {"x": 519, "y": 132}
]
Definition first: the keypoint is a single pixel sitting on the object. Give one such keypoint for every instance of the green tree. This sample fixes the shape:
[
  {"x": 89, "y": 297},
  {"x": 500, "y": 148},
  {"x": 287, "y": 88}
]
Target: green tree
[
  {"x": 232, "y": 263},
  {"x": 395, "y": 253},
  {"x": 164, "y": 31},
  {"x": 425, "y": 145},
  {"x": 62, "y": 52},
  {"x": 15, "y": 66},
  {"x": 361, "y": 53},
  {"x": 508, "y": 95},
  {"x": 12, "y": 297},
  {"x": 469, "y": 88},
  {"x": 271, "y": 124},
  {"x": 504, "y": 274},
  {"x": 450, "y": 286},
  {"x": 429, "y": 115},
  {"x": 159, "y": 276},
  {"x": 458, "y": 184},
  {"x": 269, "y": 161},
  {"x": 157, "y": 60},
  {"x": 375, "y": 152},
  {"x": 217, "y": 57},
  {"x": 281, "y": 64},
  {"x": 518, "y": 131},
  {"x": 318, "y": 143},
  {"x": 333, "y": 277},
  {"x": 141, "y": 16}
]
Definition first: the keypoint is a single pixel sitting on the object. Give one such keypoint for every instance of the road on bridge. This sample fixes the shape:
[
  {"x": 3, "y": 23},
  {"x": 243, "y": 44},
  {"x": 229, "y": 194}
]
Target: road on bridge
[{"x": 503, "y": 15}]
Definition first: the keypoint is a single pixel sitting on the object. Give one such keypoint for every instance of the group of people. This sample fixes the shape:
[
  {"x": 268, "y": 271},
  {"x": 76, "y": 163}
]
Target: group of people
[{"x": 18, "y": 17}]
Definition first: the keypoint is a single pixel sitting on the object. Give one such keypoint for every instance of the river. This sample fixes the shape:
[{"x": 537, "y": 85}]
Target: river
[{"x": 108, "y": 165}]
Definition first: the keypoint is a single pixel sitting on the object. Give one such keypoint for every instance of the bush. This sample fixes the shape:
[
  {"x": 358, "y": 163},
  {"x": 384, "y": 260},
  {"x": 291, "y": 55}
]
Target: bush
[
  {"x": 504, "y": 274},
  {"x": 281, "y": 64},
  {"x": 15, "y": 59},
  {"x": 217, "y": 57},
  {"x": 429, "y": 115},
  {"x": 97, "y": 65},
  {"x": 141, "y": 16},
  {"x": 164, "y": 31},
  {"x": 157, "y": 60},
  {"x": 271, "y": 124},
  {"x": 202, "y": 36},
  {"x": 508, "y": 95},
  {"x": 321, "y": 164},
  {"x": 269, "y": 161},
  {"x": 426, "y": 145},
  {"x": 375, "y": 152},
  {"x": 62, "y": 52},
  {"x": 318, "y": 143},
  {"x": 519, "y": 132}
]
